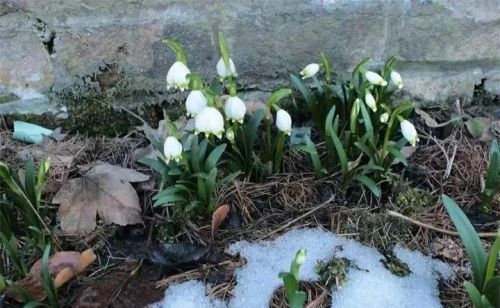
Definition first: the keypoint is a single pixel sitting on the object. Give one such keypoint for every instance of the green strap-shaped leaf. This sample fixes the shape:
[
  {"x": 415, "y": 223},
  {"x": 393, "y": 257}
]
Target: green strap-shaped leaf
[
  {"x": 297, "y": 83},
  {"x": 397, "y": 154},
  {"x": 492, "y": 260},
  {"x": 339, "y": 148},
  {"x": 30, "y": 182},
  {"x": 298, "y": 299},
  {"x": 214, "y": 156},
  {"x": 472, "y": 243},
  {"x": 327, "y": 65},
  {"x": 368, "y": 183},
  {"x": 367, "y": 121},
  {"x": 492, "y": 291},
  {"x": 278, "y": 95},
  {"x": 474, "y": 294}
]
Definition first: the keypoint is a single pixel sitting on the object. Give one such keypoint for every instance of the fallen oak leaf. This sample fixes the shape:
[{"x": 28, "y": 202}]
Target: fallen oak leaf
[
  {"x": 219, "y": 216},
  {"x": 105, "y": 191},
  {"x": 124, "y": 174}
]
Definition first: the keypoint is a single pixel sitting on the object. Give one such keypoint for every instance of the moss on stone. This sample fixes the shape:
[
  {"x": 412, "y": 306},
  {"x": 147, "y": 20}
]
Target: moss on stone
[
  {"x": 44, "y": 120},
  {"x": 8, "y": 98}
]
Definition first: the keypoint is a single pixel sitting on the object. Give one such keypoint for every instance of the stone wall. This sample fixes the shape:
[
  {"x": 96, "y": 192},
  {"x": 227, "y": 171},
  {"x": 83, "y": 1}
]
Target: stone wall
[{"x": 51, "y": 50}]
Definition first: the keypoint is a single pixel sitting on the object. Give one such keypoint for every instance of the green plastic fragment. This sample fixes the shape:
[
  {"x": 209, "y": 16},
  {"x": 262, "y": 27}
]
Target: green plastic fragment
[{"x": 30, "y": 133}]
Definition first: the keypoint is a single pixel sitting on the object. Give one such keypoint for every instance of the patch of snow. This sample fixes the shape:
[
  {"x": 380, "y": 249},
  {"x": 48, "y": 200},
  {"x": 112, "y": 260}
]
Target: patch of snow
[
  {"x": 372, "y": 285},
  {"x": 190, "y": 294}
]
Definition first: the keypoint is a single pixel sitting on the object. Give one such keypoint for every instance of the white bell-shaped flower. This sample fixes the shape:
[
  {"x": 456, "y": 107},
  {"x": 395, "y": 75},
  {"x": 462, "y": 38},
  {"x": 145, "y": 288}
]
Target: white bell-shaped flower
[
  {"x": 177, "y": 76},
  {"x": 375, "y": 79},
  {"x": 310, "y": 70},
  {"x": 235, "y": 109},
  {"x": 172, "y": 149},
  {"x": 195, "y": 103},
  {"x": 209, "y": 121},
  {"x": 223, "y": 71},
  {"x": 384, "y": 117},
  {"x": 409, "y": 132},
  {"x": 396, "y": 79},
  {"x": 370, "y": 101},
  {"x": 284, "y": 121}
]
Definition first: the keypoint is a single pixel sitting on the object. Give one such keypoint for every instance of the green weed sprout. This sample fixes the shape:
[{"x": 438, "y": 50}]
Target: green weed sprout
[
  {"x": 296, "y": 298},
  {"x": 22, "y": 198},
  {"x": 492, "y": 182},
  {"x": 484, "y": 290}
]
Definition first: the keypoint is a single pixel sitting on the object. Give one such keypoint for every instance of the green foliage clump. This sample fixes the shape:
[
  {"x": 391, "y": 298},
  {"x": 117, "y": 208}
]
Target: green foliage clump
[
  {"x": 484, "y": 290},
  {"x": 29, "y": 236},
  {"x": 357, "y": 122}
]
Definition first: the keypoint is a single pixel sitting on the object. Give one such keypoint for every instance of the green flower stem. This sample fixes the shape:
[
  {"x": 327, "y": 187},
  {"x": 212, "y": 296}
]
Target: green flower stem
[
  {"x": 177, "y": 49},
  {"x": 278, "y": 152}
]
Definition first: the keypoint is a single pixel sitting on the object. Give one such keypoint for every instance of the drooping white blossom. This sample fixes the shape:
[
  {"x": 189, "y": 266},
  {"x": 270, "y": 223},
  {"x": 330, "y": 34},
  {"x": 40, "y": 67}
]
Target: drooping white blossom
[
  {"x": 177, "y": 76},
  {"x": 284, "y": 121},
  {"x": 409, "y": 132},
  {"x": 370, "y": 101},
  {"x": 235, "y": 109},
  {"x": 210, "y": 121},
  {"x": 384, "y": 117},
  {"x": 195, "y": 103},
  {"x": 310, "y": 70},
  {"x": 396, "y": 79},
  {"x": 172, "y": 149},
  {"x": 226, "y": 72},
  {"x": 375, "y": 79}
]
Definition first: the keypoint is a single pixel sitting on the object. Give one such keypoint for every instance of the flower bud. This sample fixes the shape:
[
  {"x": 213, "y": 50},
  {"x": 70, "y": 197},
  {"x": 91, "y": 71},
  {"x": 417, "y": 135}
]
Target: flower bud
[
  {"x": 230, "y": 135},
  {"x": 177, "y": 76},
  {"x": 396, "y": 79},
  {"x": 370, "y": 101},
  {"x": 375, "y": 79},
  {"x": 384, "y": 117},
  {"x": 284, "y": 121},
  {"x": 409, "y": 132},
  {"x": 195, "y": 103},
  {"x": 310, "y": 70},
  {"x": 226, "y": 72},
  {"x": 235, "y": 109},
  {"x": 172, "y": 149},
  {"x": 300, "y": 257},
  {"x": 209, "y": 121}
]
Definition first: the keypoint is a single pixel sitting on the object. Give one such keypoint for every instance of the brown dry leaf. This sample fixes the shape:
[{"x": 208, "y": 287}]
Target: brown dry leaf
[
  {"x": 219, "y": 216},
  {"x": 104, "y": 190},
  {"x": 64, "y": 265},
  {"x": 446, "y": 248},
  {"x": 429, "y": 121}
]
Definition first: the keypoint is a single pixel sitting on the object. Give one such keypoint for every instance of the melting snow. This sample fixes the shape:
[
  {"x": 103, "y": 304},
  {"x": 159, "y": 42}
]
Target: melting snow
[{"x": 372, "y": 285}]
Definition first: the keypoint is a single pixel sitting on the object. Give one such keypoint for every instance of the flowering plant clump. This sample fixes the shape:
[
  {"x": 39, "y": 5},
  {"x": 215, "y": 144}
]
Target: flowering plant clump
[
  {"x": 222, "y": 135},
  {"x": 355, "y": 118},
  {"x": 360, "y": 128}
]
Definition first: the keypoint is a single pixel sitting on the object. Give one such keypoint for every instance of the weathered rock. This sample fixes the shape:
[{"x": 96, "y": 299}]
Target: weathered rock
[{"x": 114, "y": 47}]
